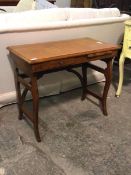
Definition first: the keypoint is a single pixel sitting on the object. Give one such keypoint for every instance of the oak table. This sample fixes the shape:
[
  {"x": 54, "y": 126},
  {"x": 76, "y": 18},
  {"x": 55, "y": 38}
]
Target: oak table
[{"x": 35, "y": 60}]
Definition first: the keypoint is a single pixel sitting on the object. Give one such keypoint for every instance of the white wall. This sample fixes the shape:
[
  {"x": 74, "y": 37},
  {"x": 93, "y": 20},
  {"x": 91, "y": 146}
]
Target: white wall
[{"x": 63, "y": 3}]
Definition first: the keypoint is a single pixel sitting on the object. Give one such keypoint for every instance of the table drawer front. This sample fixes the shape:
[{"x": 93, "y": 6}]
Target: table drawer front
[
  {"x": 58, "y": 64},
  {"x": 70, "y": 61}
]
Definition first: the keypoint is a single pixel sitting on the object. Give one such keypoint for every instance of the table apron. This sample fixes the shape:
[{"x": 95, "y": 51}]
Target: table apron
[{"x": 72, "y": 61}]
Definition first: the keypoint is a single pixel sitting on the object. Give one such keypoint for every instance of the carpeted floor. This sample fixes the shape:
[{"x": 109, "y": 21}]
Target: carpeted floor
[{"x": 77, "y": 139}]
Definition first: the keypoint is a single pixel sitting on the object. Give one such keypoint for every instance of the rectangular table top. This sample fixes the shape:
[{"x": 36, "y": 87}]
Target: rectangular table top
[{"x": 43, "y": 52}]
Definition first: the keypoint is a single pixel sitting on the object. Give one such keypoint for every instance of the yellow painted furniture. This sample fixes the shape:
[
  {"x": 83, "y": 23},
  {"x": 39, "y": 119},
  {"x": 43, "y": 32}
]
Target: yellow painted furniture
[{"x": 126, "y": 53}]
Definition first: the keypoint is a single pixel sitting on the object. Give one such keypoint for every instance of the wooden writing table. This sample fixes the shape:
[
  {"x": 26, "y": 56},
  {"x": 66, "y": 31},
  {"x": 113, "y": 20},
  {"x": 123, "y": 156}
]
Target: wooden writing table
[{"x": 35, "y": 60}]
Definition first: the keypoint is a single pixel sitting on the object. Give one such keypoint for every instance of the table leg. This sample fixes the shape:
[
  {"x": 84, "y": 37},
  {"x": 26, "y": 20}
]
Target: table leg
[
  {"x": 35, "y": 98},
  {"x": 108, "y": 77},
  {"x": 31, "y": 86},
  {"x": 84, "y": 84},
  {"x": 18, "y": 93}
]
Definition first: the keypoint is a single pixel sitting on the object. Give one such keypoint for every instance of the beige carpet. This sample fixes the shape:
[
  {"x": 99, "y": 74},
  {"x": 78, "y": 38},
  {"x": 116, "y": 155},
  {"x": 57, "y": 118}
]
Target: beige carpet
[{"x": 76, "y": 138}]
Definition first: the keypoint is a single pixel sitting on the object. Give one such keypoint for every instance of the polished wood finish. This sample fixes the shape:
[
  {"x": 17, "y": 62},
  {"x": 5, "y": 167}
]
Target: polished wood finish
[
  {"x": 81, "y": 3},
  {"x": 33, "y": 54},
  {"x": 35, "y": 60},
  {"x": 8, "y": 2}
]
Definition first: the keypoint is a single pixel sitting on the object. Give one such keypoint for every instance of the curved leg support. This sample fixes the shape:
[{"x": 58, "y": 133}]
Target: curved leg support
[
  {"x": 108, "y": 76},
  {"x": 24, "y": 93},
  {"x": 121, "y": 72},
  {"x": 83, "y": 79}
]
